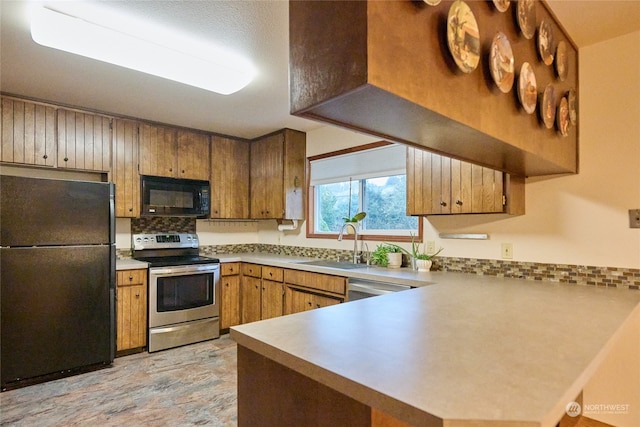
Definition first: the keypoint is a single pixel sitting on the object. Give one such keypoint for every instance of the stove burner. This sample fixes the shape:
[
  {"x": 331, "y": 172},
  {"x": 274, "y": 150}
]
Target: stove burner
[{"x": 168, "y": 249}]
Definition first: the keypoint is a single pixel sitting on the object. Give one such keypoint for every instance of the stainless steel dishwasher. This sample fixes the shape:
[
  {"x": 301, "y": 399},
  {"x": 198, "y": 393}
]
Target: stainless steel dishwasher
[{"x": 361, "y": 288}]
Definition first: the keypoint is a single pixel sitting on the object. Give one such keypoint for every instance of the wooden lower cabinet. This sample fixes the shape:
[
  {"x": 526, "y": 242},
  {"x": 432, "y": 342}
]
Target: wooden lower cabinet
[
  {"x": 251, "y": 302},
  {"x": 298, "y": 299},
  {"x": 268, "y": 292},
  {"x": 131, "y": 309},
  {"x": 230, "y": 314},
  {"x": 307, "y": 291},
  {"x": 262, "y": 292},
  {"x": 272, "y": 299}
]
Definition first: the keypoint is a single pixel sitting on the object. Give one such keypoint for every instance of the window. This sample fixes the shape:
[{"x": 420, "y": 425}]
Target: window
[{"x": 371, "y": 180}]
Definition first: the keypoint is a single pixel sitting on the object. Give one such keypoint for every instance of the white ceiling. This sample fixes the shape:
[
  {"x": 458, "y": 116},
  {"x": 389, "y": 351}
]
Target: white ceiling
[{"x": 258, "y": 29}]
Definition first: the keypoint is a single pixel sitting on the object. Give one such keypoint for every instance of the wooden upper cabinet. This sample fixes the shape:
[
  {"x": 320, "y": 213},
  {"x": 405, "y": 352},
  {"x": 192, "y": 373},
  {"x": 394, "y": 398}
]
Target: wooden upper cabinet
[
  {"x": 28, "y": 133},
  {"x": 229, "y": 178},
  {"x": 84, "y": 141},
  {"x": 193, "y": 155},
  {"x": 278, "y": 168},
  {"x": 438, "y": 185},
  {"x": 125, "y": 168},
  {"x": 173, "y": 153},
  {"x": 158, "y": 150}
]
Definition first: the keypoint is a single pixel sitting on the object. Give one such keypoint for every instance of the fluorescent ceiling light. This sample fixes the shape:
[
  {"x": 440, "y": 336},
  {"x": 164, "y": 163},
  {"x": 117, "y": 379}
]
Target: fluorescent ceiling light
[{"x": 208, "y": 68}]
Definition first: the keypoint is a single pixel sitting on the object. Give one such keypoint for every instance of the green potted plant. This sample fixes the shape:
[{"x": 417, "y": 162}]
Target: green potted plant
[
  {"x": 387, "y": 255},
  {"x": 423, "y": 261},
  {"x": 353, "y": 222}
]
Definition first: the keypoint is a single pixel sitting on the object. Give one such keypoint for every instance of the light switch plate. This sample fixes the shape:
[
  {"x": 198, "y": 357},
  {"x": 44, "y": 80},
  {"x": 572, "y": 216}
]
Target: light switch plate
[
  {"x": 507, "y": 251},
  {"x": 634, "y": 218}
]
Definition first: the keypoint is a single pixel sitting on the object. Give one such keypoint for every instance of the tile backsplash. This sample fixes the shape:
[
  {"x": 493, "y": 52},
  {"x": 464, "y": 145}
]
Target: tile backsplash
[
  {"x": 163, "y": 225},
  {"x": 626, "y": 278}
]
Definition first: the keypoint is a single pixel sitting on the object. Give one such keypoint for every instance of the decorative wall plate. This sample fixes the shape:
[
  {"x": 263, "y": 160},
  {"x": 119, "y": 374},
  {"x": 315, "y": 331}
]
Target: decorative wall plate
[
  {"x": 463, "y": 36},
  {"x": 562, "y": 117},
  {"x": 571, "y": 100},
  {"x": 501, "y": 62},
  {"x": 548, "y": 106},
  {"x": 545, "y": 42},
  {"x": 526, "y": 12},
  {"x": 501, "y": 5},
  {"x": 562, "y": 62},
  {"x": 527, "y": 88}
]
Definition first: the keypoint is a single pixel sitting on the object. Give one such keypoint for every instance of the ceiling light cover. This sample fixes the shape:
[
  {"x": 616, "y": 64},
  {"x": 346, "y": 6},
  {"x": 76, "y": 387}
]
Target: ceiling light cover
[{"x": 215, "y": 70}]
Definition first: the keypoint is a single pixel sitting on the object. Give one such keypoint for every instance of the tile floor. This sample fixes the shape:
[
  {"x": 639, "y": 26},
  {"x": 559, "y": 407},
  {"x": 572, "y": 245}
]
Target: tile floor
[{"x": 185, "y": 386}]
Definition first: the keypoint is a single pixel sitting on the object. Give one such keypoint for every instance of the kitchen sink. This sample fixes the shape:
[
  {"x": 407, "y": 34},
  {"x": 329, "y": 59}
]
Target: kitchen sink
[{"x": 334, "y": 264}]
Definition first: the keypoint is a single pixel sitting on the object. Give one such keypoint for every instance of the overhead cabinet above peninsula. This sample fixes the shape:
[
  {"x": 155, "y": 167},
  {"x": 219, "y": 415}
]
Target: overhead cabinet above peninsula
[{"x": 385, "y": 68}]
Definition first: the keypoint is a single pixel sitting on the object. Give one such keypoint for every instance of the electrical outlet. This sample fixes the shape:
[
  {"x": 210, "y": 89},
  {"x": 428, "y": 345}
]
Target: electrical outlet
[
  {"x": 507, "y": 251},
  {"x": 431, "y": 247},
  {"x": 634, "y": 218}
]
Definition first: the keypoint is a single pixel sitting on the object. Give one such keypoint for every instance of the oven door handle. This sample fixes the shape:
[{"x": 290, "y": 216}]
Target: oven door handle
[{"x": 185, "y": 269}]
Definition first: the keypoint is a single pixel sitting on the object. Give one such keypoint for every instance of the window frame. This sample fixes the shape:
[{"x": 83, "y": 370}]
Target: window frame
[{"x": 311, "y": 195}]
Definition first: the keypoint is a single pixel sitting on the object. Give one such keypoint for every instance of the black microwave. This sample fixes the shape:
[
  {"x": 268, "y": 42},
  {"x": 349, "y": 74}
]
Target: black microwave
[{"x": 175, "y": 197}]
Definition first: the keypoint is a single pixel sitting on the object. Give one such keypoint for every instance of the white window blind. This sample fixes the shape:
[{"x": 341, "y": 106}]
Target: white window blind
[{"x": 383, "y": 161}]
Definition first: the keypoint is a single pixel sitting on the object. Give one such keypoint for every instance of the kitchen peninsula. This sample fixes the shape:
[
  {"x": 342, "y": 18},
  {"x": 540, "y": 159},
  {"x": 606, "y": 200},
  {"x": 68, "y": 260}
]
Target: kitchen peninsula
[{"x": 466, "y": 351}]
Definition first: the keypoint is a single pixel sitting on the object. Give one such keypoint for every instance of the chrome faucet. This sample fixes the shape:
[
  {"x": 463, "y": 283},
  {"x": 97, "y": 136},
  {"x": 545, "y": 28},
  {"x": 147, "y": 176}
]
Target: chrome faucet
[{"x": 356, "y": 255}]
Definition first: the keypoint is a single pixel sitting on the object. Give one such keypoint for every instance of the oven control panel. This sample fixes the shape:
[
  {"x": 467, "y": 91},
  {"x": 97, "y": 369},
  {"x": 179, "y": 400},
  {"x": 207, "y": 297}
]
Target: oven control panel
[{"x": 164, "y": 241}]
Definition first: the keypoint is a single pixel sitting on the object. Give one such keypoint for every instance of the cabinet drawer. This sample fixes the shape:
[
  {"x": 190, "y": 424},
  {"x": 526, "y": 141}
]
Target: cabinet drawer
[
  {"x": 321, "y": 282},
  {"x": 131, "y": 277},
  {"x": 273, "y": 273},
  {"x": 229, "y": 268},
  {"x": 252, "y": 270}
]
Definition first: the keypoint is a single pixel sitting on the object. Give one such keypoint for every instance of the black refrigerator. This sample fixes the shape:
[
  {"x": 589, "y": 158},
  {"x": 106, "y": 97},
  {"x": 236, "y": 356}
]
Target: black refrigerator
[{"x": 57, "y": 278}]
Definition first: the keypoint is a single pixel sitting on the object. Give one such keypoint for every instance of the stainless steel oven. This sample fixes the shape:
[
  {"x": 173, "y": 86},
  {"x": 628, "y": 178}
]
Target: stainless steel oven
[{"x": 184, "y": 293}]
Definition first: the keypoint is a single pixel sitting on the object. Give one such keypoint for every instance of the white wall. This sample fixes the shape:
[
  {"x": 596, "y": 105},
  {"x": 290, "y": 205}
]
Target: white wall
[{"x": 578, "y": 219}]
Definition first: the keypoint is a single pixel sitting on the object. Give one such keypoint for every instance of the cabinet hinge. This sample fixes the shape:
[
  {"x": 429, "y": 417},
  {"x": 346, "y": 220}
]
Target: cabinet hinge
[{"x": 504, "y": 200}]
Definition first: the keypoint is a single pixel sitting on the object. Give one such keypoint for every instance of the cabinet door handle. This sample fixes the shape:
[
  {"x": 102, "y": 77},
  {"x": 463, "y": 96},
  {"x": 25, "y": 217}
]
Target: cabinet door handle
[
  {"x": 270, "y": 274},
  {"x": 66, "y": 159},
  {"x": 45, "y": 157},
  {"x": 130, "y": 278},
  {"x": 443, "y": 203},
  {"x": 137, "y": 295},
  {"x": 130, "y": 209},
  {"x": 182, "y": 170},
  {"x": 459, "y": 202},
  {"x": 310, "y": 304},
  {"x": 170, "y": 169}
]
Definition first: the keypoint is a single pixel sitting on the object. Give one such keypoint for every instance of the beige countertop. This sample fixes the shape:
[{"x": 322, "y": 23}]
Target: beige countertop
[
  {"x": 130, "y": 264},
  {"x": 469, "y": 350},
  {"x": 403, "y": 276}
]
